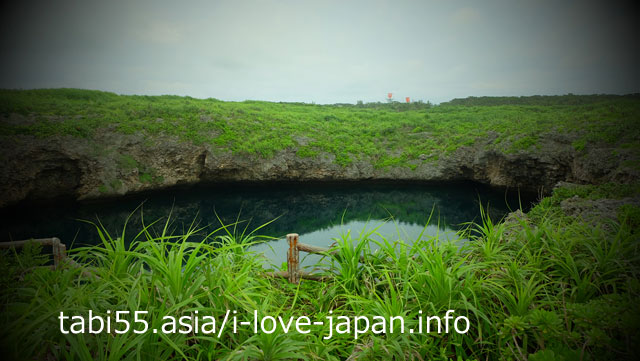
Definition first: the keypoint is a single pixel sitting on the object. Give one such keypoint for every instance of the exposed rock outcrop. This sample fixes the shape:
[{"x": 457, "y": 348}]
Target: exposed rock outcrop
[
  {"x": 595, "y": 210},
  {"x": 115, "y": 164}
]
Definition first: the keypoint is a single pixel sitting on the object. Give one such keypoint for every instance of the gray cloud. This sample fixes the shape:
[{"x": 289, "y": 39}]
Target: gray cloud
[{"x": 322, "y": 51}]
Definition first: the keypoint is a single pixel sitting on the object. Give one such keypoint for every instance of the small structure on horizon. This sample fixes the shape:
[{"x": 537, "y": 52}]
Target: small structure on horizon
[{"x": 408, "y": 99}]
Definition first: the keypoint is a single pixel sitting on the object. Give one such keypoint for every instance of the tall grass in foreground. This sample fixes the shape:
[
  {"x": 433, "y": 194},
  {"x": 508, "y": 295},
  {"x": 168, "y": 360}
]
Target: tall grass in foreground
[{"x": 551, "y": 289}]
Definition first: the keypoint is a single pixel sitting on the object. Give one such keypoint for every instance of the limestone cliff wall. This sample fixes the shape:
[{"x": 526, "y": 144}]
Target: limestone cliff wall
[{"x": 115, "y": 164}]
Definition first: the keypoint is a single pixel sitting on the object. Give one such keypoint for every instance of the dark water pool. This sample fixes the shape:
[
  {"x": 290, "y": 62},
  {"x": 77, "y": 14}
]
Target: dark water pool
[{"x": 318, "y": 212}]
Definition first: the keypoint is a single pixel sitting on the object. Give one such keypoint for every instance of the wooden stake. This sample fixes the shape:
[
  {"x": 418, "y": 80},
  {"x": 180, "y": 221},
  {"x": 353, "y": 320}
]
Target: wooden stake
[
  {"x": 55, "y": 243},
  {"x": 293, "y": 258},
  {"x": 62, "y": 253}
]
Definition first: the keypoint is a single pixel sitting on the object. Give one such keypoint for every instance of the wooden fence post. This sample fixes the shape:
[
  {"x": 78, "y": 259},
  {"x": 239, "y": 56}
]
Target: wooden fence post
[
  {"x": 62, "y": 253},
  {"x": 55, "y": 244},
  {"x": 293, "y": 258}
]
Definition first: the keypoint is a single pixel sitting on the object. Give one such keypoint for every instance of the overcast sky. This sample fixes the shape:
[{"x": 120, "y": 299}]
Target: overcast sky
[{"x": 322, "y": 51}]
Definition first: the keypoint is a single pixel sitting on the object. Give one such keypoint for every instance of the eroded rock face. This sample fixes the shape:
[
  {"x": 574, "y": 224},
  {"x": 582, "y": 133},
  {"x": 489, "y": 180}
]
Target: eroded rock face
[
  {"x": 114, "y": 164},
  {"x": 28, "y": 172},
  {"x": 595, "y": 210}
]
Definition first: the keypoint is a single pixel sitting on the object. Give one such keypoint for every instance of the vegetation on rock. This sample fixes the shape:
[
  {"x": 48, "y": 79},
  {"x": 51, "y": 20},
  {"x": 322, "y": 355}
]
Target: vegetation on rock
[{"x": 393, "y": 134}]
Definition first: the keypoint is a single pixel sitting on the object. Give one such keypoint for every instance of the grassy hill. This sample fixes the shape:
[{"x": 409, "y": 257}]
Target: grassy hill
[{"x": 394, "y": 134}]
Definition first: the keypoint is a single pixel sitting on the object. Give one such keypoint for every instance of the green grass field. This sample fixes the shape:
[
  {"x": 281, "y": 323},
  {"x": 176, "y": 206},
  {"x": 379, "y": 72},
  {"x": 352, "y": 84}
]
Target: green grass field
[{"x": 384, "y": 134}]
